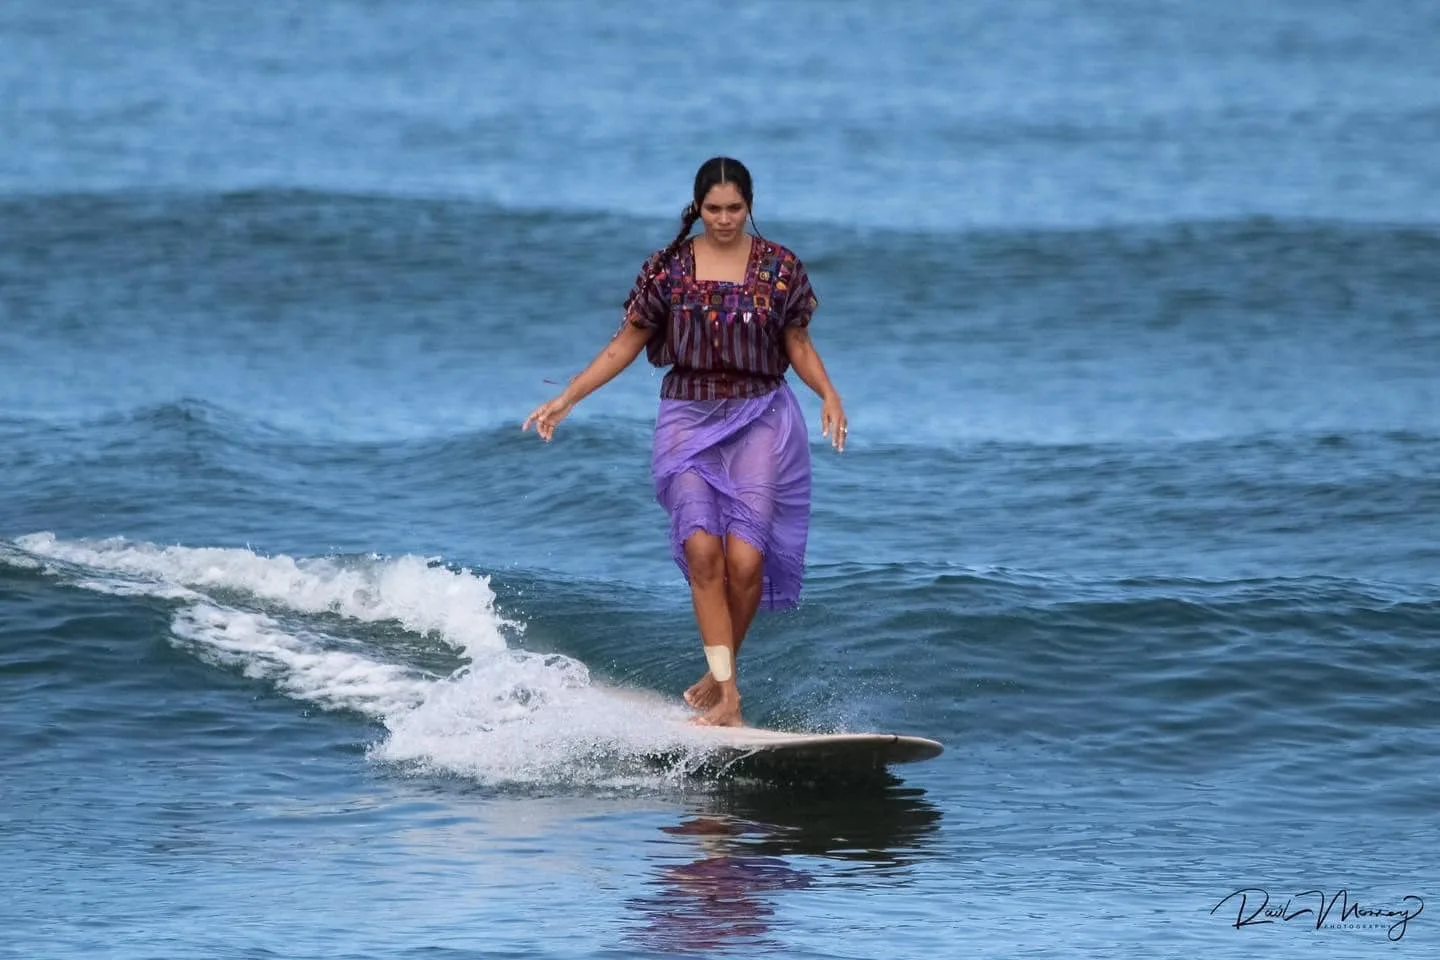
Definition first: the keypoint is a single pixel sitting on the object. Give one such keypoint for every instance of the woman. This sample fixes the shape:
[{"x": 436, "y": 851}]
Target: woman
[{"x": 729, "y": 313}]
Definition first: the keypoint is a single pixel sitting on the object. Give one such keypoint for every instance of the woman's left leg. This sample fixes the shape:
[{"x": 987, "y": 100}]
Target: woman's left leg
[{"x": 744, "y": 578}]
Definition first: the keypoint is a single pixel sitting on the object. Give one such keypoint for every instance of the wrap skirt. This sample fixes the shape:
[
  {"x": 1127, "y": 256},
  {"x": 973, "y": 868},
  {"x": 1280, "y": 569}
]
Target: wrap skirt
[{"x": 738, "y": 468}]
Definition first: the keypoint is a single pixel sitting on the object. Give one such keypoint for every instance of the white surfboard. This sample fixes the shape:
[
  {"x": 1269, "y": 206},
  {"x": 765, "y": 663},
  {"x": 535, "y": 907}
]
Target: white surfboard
[
  {"x": 855, "y": 749},
  {"x": 765, "y": 751}
]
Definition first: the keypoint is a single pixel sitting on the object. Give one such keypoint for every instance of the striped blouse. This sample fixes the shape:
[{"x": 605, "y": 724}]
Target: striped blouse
[{"x": 722, "y": 340}]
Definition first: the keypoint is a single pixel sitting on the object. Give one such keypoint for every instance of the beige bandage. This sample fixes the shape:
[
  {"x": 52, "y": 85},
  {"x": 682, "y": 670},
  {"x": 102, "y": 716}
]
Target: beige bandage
[{"x": 720, "y": 660}]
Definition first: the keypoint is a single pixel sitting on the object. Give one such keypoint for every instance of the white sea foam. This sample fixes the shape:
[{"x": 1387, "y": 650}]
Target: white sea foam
[
  {"x": 298, "y": 662},
  {"x": 421, "y": 596},
  {"x": 528, "y": 720},
  {"x": 505, "y": 715}
]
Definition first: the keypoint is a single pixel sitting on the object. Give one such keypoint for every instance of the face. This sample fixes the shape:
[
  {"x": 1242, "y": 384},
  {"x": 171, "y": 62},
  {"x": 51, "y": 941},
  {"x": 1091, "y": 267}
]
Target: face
[{"x": 724, "y": 212}]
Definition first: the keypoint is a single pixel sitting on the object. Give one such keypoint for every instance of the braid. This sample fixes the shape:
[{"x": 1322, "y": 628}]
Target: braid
[
  {"x": 688, "y": 216},
  {"x": 656, "y": 266}
]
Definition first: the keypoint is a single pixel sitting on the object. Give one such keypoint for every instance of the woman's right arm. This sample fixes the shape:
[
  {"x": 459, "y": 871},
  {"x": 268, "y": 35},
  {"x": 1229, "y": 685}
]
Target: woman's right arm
[{"x": 618, "y": 354}]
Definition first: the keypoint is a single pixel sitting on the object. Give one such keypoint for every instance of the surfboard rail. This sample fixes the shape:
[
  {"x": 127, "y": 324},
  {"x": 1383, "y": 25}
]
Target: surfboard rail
[{"x": 892, "y": 747}]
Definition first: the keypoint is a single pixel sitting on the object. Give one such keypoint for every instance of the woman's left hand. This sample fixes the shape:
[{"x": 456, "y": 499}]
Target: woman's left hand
[{"x": 833, "y": 423}]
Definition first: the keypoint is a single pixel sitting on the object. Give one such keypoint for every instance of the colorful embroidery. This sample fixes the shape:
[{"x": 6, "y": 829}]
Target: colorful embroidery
[{"x": 743, "y": 356}]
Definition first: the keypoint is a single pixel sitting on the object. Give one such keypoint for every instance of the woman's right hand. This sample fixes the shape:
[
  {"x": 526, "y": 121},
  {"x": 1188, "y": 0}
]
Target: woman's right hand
[{"x": 547, "y": 417}]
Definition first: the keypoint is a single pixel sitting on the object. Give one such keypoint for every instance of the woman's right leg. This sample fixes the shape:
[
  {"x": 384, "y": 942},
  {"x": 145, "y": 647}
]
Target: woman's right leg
[
  {"x": 751, "y": 462},
  {"x": 705, "y": 556},
  {"x": 744, "y": 580}
]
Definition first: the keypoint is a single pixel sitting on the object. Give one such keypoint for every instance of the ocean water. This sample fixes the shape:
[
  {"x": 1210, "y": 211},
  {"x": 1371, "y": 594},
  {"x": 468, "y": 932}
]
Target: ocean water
[{"x": 306, "y": 650}]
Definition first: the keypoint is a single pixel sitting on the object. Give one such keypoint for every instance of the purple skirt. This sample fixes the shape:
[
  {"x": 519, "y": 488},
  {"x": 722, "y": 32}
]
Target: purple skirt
[{"x": 738, "y": 467}]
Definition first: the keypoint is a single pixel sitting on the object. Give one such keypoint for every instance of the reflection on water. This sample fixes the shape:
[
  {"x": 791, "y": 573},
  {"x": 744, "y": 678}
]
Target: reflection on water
[
  {"x": 719, "y": 871},
  {"x": 884, "y": 824},
  {"x": 717, "y": 899}
]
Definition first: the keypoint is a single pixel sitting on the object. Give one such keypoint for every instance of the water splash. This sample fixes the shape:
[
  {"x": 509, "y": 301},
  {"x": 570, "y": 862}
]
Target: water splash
[{"x": 505, "y": 715}]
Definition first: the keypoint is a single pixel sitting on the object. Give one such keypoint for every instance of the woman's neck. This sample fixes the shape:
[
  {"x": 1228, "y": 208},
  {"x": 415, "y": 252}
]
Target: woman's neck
[
  {"x": 740, "y": 244},
  {"x": 729, "y": 262}
]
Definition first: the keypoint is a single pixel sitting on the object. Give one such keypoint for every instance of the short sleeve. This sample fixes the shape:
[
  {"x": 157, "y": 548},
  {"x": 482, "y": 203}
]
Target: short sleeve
[
  {"x": 648, "y": 304},
  {"x": 800, "y": 300}
]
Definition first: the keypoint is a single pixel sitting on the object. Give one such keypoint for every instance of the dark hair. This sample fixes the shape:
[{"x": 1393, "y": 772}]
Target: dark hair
[{"x": 712, "y": 173}]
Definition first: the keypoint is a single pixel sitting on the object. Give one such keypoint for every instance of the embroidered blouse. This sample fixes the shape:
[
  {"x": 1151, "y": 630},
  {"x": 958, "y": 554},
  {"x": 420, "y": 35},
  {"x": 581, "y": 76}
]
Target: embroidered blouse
[{"x": 721, "y": 339}]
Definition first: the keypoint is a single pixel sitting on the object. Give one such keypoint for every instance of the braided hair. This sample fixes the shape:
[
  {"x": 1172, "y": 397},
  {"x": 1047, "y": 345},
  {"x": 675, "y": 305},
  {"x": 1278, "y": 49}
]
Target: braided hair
[{"x": 712, "y": 173}]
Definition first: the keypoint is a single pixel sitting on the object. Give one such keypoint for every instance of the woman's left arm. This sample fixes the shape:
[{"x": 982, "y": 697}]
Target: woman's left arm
[{"x": 807, "y": 363}]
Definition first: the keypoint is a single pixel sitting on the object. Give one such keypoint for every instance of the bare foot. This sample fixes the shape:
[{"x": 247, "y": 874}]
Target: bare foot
[
  {"x": 705, "y": 694},
  {"x": 724, "y": 714}
]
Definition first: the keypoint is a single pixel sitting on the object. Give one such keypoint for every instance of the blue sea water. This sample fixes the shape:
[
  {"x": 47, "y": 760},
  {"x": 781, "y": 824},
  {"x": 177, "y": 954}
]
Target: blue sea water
[{"x": 306, "y": 650}]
